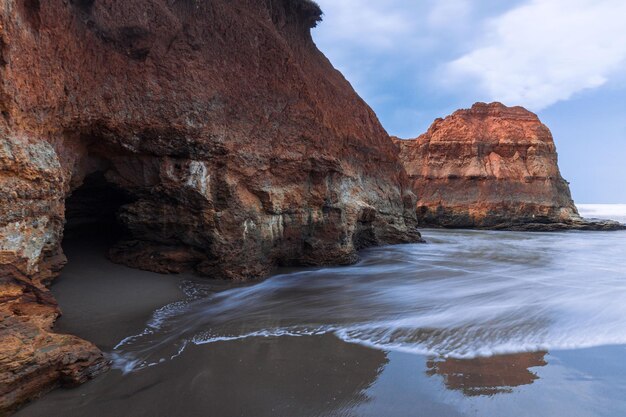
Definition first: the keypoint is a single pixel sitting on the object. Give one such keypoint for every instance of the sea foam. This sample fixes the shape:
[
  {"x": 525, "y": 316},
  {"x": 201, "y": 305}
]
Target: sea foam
[{"x": 465, "y": 294}]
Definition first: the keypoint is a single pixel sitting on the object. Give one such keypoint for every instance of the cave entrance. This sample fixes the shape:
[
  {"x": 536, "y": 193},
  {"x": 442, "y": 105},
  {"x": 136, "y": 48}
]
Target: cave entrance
[{"x": 91, "y": 211}]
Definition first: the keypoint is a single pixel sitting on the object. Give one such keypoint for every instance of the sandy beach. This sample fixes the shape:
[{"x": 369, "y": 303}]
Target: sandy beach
[{"x": 278, "y": 373}]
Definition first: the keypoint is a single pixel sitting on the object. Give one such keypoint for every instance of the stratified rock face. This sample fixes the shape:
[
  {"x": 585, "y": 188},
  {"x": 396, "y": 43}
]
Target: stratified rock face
[
  {"x": 238, "y": 146},
  {"x": 32, "y": 359},
  {"x": 490, "y": 166}
]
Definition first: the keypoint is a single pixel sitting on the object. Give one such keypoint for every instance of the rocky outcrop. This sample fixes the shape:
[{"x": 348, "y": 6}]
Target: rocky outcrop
[
  {"x": 32, "y": 358},
  {"x": 236, "y": 144},
  {"x": 491, "y": 166}
]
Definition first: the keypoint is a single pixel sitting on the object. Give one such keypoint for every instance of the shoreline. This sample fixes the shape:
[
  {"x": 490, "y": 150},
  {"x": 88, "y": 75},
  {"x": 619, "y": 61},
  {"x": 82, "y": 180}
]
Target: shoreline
[
  {"x": 91, "y": 307},
  {"x": 323, "y": 375}
]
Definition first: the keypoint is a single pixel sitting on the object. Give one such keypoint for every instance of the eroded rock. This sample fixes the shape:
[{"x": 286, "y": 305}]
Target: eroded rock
[
  {"x": 32, "y": 358},
  {"x": 238, "y": 145},
  {"x": 491, "y": 166}
]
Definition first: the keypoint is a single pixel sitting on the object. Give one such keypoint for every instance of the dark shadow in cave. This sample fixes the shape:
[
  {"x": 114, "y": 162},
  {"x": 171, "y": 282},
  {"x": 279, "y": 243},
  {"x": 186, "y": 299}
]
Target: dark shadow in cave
[{"x": 91, "y": 211}]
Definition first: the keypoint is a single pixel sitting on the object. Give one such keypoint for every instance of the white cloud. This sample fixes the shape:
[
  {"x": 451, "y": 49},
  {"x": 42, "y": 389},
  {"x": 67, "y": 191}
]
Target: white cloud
[
  {"x": 377, "y": 42},
  {"x": 374, "y": 24},
  {"x": 545, "y": 51},
  {"x": 449, "y": 14},
  {"x": 391, "y": 25}
]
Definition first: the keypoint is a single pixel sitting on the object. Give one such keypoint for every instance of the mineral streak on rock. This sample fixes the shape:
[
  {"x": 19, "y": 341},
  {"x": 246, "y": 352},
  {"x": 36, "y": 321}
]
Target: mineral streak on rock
[
  {"x": 490, "y": 166},
  {"x": 238, "y": 145}
]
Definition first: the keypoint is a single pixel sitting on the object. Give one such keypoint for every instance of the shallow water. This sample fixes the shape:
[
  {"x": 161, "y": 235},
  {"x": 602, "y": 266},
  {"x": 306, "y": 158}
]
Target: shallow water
[
  {"x": 473, "y": 323},
  {"x": 465, "y": 294}
]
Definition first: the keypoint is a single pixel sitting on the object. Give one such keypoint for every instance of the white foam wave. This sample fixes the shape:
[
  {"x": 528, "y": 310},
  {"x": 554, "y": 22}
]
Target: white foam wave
[{"x": 467, "y": 294}]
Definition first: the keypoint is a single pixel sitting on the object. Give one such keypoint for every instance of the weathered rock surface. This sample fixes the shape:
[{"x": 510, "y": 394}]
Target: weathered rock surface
[
  {"x": 237, "y": 145},
  {"x": 32, "y": 358},
  {"x": 491, "y": 166}
]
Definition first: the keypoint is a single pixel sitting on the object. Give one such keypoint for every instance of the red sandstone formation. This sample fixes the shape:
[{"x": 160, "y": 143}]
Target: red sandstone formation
[
  {"x": 490, "y": 166},
  {"x": 32, "y": 359},
  {"x": 236, "y": 145}
]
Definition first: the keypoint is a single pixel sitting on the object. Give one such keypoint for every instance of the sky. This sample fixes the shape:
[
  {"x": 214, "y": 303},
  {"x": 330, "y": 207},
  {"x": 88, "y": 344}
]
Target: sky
[{"x": 416, "y": 60}]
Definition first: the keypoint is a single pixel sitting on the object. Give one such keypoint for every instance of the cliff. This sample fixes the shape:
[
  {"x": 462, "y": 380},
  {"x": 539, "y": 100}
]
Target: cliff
[
  {"x": 490, "y": 166},
  {"x": 230, "y": 142}
]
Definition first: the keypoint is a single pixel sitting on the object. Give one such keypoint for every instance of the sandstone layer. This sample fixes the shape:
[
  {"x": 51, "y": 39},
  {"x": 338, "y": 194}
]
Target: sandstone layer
[
  {"x": 491, "y": 166},
  {"x": 233, "y": 143}
]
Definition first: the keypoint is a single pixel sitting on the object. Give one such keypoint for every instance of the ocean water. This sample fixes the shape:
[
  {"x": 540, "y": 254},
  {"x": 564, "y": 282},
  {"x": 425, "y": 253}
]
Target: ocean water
[
  {"x": 464, "y": 294},
  {"x": 604, "y": 211},
  {"x": 472, "y": 323}
]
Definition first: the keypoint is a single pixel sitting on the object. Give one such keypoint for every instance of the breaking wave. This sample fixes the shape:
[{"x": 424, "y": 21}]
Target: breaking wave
[{"x": 465, "y": 294}]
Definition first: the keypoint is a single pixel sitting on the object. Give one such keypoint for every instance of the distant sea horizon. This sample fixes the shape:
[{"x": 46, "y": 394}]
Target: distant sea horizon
[{"x": 603, "y": 211}]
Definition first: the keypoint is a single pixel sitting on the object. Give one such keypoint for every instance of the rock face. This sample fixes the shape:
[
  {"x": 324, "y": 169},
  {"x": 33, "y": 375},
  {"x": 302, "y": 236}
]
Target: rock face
[
  {"x": 490, "y": 166},
  {"x": 236, "y": 145},
  {"x": 32, "y": 358}
]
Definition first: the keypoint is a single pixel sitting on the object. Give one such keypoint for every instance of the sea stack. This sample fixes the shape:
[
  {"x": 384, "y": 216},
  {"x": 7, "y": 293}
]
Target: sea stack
[
  {"x": 490, "y": 166},
  {"x": 216, "y": 133}
]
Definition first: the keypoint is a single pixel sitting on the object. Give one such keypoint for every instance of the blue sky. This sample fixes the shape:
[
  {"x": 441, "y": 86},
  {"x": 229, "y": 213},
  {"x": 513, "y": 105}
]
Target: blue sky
[{"x": 416, "y": 60}]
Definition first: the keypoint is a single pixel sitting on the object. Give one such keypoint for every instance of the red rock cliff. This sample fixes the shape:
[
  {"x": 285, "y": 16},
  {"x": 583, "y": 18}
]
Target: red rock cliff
[
  {"x": 236, "y": 144},
  {"x": 489, "y": 166}
]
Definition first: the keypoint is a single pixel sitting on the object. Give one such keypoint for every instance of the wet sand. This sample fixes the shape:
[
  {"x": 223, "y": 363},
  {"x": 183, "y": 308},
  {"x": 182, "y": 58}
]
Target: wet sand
[
  {"x": 318, "y": 375},
  {"x": 104, "y": 302}
]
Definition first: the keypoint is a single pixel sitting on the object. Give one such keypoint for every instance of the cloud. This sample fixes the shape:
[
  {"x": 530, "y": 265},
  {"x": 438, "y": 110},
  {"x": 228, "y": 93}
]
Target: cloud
[
  {"x": 375, "y": 42},
  {"x": 377, "y": 25},
  {"x": 450, "y": 13},
  {"x": 545, "y": 51},
  {"x": 392, "y": 25}
]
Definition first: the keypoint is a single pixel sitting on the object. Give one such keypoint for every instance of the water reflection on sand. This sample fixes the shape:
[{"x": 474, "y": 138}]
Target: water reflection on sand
[
  {"x": 487, "y": 376},
  {"x": 466, "y": 294}
]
